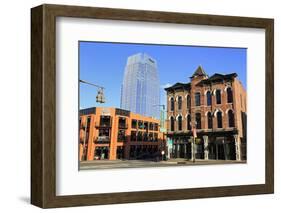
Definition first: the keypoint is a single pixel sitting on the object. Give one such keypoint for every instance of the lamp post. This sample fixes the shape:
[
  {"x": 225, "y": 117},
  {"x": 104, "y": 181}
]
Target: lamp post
[
  {"x": 162, "y": 128},
  {"x": 100, "y": 98},
  {"x": 193, "y": 126},
  {"x": 194, "y": 155}
]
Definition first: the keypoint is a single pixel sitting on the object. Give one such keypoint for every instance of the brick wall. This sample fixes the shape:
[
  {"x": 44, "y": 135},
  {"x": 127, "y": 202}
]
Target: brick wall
[{"x": 238, "y": 105}]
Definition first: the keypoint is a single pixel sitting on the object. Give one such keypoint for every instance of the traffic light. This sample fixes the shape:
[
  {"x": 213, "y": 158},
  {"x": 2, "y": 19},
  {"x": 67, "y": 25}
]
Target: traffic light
[{"x": 100, "y": 96}]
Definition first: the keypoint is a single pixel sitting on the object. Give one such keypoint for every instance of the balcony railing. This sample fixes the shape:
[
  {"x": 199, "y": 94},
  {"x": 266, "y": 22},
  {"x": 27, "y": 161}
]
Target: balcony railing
[
  {"x": 122, "y": 126},
  {"x": 103, "y": 139},
  {"x": 121, "y": 138},
  {"x": 103, "y": 125}
]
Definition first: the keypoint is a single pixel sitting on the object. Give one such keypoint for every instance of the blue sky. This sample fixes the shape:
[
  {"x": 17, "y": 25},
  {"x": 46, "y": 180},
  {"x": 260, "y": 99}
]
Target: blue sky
[{"x": 104, "y": 63}]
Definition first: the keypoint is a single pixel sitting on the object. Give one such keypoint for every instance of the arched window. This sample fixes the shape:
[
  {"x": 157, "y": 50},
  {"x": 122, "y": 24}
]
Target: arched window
[
  {"x": 180, "y": 123},
  {"x": 179, "y": 102},
  {"x": 172, "y": 123},
  {"x": 229, "y": 95},
  {"x": 198, "y": 120},
  {"x": 188, "y": 122},
  {"x": 210, "y": 120},
  {"x": 218, "y": 96},
  {"x": 209, "y": 98},
  {"x": 219, "y": 119},
  {"x": 188, "y": 102},
  {"x": 172, "y": 104},
  {"x": 230, "y": 118},
  {"x": 197, "y": 99}
]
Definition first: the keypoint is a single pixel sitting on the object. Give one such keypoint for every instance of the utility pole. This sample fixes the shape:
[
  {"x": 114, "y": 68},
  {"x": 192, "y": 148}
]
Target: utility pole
[
  {"x": 100, "y": 98},
  {"x": 193, "y": 126},
  {"x": 162, "y": 129}
]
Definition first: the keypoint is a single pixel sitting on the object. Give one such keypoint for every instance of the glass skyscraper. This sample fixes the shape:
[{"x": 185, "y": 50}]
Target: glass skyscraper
[{"x": 140, "y": 91}]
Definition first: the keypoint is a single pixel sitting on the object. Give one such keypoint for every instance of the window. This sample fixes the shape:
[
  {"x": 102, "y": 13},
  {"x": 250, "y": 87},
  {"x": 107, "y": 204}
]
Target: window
[
  {"x": 189, "y": 122},
  {"x": 172, "y": 122},
  {"x": 219, "y": 119},
  {"x": 209, "y": 98},
  {"x": 139, "y": 136},
  {"x": 105, "y": 121},
  {"x": 230, "y": 118},
  {"x": 150, "y": 137},
  {"x": 218, "y": 96},
  {"x": 179, "y": 102},
  {"x": 188, "y": 102},
  {"x": 180, "y": 123},
  {"x": 198, "y": 120},
  {"x": 172, "y": 104},
  {"x": 104, "y": 132},
  {"x": 150, "y": 126},
  {"x": 197, "y": 99},
  {"x": 145, "y": 136},
  {"x": 122, "y": 123},
  {"x": 134, "y": 124},
  {"x": 155, "y": 137},
  {"x": 210, "y": 120},
  {"x": 133, "y": 135},
  {"x": 155, "y": 126},
  {"x": 121, "y": 135},
  {"x": 140, "y": 125},
  {"x": 88, "y": 121},
  {"x": 145, "y": 125},
  {"x": 229, "y": 95}
]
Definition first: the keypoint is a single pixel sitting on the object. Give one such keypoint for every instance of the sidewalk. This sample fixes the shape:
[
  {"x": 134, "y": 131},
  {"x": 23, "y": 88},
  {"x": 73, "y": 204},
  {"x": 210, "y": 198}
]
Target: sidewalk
[{"x": 112, "y": 164}]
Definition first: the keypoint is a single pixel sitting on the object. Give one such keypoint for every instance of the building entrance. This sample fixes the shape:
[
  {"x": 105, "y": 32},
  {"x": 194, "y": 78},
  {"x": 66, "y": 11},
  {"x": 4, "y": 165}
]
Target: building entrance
[
  {"x": 120, "y": 152},
  {"x": 101, "y": 153},
  {"x": 222, "y": 151}
]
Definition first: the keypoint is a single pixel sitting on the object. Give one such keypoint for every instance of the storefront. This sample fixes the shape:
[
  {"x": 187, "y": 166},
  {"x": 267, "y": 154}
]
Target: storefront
[
  {"x": 120, "y": 152},
  {"x": 144, "y": 152},
  {"x": 207, "y": 146},
  {"x": 101, "y": 153},
  {"x": 222, "y": 148}
]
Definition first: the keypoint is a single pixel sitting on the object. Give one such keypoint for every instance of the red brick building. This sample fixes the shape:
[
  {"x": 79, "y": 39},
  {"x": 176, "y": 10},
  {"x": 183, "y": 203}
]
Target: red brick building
[
  {"x": 216, "y": 106},
  {"x": 112, "y": 133}
]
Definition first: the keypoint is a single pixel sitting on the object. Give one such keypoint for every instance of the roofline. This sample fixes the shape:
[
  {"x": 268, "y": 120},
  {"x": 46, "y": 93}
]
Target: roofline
[
  {"x": 176, "y": 87},
  {"x": 207, "y": 80}
]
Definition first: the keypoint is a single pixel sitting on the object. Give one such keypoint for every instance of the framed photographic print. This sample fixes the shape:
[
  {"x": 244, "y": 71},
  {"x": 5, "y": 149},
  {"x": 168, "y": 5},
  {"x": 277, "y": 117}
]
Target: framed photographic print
[{"x": 137, "y": 106}]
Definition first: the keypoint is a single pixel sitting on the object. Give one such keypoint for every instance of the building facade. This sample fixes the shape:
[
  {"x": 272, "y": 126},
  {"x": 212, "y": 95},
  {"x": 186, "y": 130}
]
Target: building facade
[
  {"x": 140, "y": 90},
  {"x": 215, "y": 108},
  {"x": 112, "y": 133}
]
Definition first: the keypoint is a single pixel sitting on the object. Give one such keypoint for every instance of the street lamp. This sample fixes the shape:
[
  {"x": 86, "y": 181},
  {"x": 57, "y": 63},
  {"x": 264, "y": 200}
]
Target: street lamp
[
  {"x": 162, "y": 117},
  {"x": 162, "y": 128},
  {"x": 193, "y": 126},
  {"x": 100, "y": 98}
]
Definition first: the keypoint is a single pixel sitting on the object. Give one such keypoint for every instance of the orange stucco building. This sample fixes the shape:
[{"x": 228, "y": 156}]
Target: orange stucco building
[{"x": 112, "y": 133}]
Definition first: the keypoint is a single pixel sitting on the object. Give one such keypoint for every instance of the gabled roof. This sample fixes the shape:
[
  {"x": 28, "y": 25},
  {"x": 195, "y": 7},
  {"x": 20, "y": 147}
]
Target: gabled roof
[
  {"x": 178, "y": 86},
  {"x": 199, "y": 72},
  {"x": 218, "y": 77},
  {"x": 208, "y": 80}
]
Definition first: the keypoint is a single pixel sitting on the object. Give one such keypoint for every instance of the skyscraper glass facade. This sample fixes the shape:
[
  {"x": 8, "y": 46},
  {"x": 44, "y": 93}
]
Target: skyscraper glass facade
[{"x": 140, "y": 90}]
